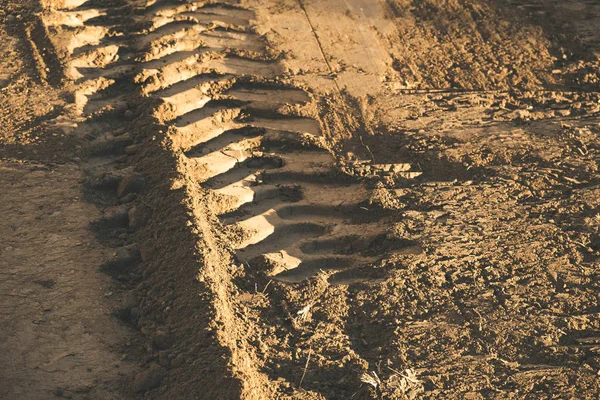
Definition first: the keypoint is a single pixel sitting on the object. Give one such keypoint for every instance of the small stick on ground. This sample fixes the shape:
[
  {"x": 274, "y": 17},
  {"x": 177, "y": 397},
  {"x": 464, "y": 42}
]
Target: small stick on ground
[
  {"x": 480, "y": 320},
  {"x": 305, "y": 367},
  {"x": 266, "y": 286},
  {"x": 368, "y": 149}
]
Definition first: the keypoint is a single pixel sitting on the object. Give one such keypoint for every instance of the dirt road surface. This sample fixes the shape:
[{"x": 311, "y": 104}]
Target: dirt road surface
[{"x": 301, "y": 199}]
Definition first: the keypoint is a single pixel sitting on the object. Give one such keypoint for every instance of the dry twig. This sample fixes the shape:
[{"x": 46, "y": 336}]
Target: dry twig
[{"x": 305, "y": 367}]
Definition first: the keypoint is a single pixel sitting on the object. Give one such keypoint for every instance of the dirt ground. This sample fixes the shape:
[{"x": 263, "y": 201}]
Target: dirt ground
[
  {"x": 58, "y": 336},
  {"x": 300, "y": 199},
  {"x": 57, "y": 332}
]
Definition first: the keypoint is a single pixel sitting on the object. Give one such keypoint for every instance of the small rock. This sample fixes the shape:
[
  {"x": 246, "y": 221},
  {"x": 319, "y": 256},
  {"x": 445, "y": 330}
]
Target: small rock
[
  {"x": 131, "y": 184},
  {"x": 10, "y": 19},
  {"x": 149, "y": 379},
  {"x": 128, "y": 114}
]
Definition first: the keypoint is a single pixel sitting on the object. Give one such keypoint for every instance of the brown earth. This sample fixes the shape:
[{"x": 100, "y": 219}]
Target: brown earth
[
  {"x": 307, "y": 199},
  {"x": 58, "y": 335}
]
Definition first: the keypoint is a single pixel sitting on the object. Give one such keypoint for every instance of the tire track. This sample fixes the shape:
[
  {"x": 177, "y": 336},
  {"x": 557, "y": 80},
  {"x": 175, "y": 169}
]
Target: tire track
[
  {"x": 270, "y": 191},
  {"x": 281, "y": 198},
  {"x": 243, "y": 132}
]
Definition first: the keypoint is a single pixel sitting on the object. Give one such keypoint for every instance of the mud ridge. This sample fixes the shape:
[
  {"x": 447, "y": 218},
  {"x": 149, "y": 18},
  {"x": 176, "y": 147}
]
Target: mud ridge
[{"x": 146, "y": 221}]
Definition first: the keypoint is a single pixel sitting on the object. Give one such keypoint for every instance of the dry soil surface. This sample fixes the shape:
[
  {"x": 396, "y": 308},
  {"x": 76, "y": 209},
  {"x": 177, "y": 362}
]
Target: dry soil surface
[
  {"x": 58, "y": 335},
  {"x": 320, "y": 199}
]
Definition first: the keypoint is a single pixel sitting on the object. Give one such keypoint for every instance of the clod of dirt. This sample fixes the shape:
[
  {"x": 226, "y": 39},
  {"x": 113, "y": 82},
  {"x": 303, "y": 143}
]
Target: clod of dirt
[
  {"x": 131, "y": 184},
  {"x": 132, "y": 149},
  {"x": 129, "y": 301},
  {"x": 130, "y": 253},
  {"x": 138, "y": 216},
  {"x": 106, "y": 182},
  {"x": 124, "y": 258},
  {"x": 110, "y": 145},
  {"x": 164, "y": 359},
  {"x": 128, "y": 310},
  {"x": 128, "y": 114},
  {"x": 162, "y": 339},
  {"x": 115, "y": 217},
  {"x": 146, "y": 253},
  {"x": 149, "y": 379},
  {"x": 520, "y": 114}
]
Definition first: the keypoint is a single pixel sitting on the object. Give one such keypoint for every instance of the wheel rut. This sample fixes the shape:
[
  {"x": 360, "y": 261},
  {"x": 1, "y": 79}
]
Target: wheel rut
[
  {"x": 280, "y": 189},
  {"x": 246, "y": 135},
  {"x": 269, "y": 188}
]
